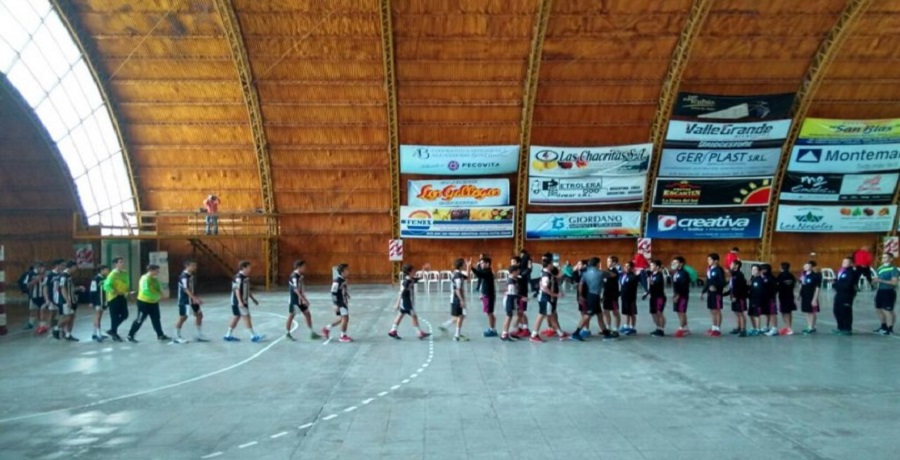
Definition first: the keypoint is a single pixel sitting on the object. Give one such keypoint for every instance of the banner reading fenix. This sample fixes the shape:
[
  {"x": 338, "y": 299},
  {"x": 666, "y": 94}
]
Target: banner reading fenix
[
  {"x": 848, "y": 188},
  {"x": 704, "y": 226},
  {"x": 458, "y": 192},
  {"x": 710, "y": 193},
  {"x": 456, "y": 223},
  {"x": 711, "y": 106},
  {"x": 459, "y": 161},
  {"x": 845, "y": 158},
  {"x": 573, "y": 162},
  {"x": 719, "y": 163},
  {"x": 583, "y": 225},
  {"x": 700, "y": 134},
  {"x": 827, "y": 131},
  {"x": 843, "y": 219},
  {"x": 587, "y": 190}
]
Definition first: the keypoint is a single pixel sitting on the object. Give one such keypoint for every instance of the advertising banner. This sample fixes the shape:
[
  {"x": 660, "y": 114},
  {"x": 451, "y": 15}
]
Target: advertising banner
[
  {"x": 458, "y": 192},
  {"x": 459, "y": 161},
  {"x": 678, "y": 226},
  {"x": 395, "y": 250},
  {"x": 457, "y": 223},
  {"x": 571, "y": 162},
  {"x": 587, "y": 190},
  {"x": 719, "y": 163},
  {"x": 841, "y": 219},
  {"x": 865, "y": 188},
  {"x": 709, "y": 193},
  {"x": 844, "y": 158},
  {"x": 827, "y": 131},
  {"x": 890, "y": 245},
  {"x": 84, "y": 256},
  {"x": 710, "y": 106},
  {"x": 775, "y": 130},
  {"x": 583, "y": 225}
]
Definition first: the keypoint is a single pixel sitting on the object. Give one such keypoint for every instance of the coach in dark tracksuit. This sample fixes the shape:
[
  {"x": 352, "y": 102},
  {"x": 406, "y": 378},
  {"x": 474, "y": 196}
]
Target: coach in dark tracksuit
[{"x": 844, "y": 292}]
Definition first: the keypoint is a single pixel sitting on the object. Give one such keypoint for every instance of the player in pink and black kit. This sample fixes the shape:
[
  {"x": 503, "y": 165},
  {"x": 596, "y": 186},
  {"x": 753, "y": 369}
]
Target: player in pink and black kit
[
  {"x": 786, "y": 283},
  {"x": 715, "y": 285},
  {"x": 810, "y": 287},
  {"x": 759, "y": 296},
  {"x": 488, "y": 289},
  {"x": 511, "y": 303},
  {"x": 681, "y": 291},
  {"x": 738, "y": 290},
  {"x": 406, "y": 303},
  {"x": 628, "y": 287},
  {"x": 770, "y": 308},
  {"x": 656, "y": 289}
]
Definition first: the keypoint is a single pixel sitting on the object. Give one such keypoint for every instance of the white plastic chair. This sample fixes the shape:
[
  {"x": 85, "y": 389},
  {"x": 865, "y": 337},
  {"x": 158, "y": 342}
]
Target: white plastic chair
[
  {"x": 501, "y": 277},
  {"x": 431, "y": 277},
  {"x": 446, "y": 276},
  {"x": 828, "y": 277},
  {"x": 423, "y": 279}
]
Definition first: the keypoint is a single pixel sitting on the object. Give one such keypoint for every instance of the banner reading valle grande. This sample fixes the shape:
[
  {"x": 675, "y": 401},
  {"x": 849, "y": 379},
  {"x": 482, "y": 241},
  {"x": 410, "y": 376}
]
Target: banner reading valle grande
[
  {"x": 701, "y": 131},
  {"x": 582, "y": 225},
  {"x": 457, "y": 223},
  {"x": 828, "y": 131},
  {"x": 458, "y": 192},
  {"x": 473, "y": 160},
  {"x": 588, "y": 175},
  {"x": 839, "y": 219},
  {"x": 718, "y": 107}
]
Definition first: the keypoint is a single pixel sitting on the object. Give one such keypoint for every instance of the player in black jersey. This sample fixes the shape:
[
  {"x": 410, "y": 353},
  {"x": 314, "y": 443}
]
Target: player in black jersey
[
  {"x": 770, "y": 307},
  {"x": 458, "y": 298},
  {"x": 738, "y": 290},
  {"x": 549, "y": 294},
  {"x": 297, "y": 301},
  {"x": 810, "y": 288},
  {"x": 240, "y": 307},
  {"x": 188, "y": 300},
  {"x": 406, "y": 300},
  {"x": 98, "y": 301},
  {"x": 49, "y": 308},
  {"x": 628, "y": 287},
  {"x": 758, "y": 295},
  {"x": 511, "y": 303},
  {"x": 35, "y": 297},
  {"x": 786, "y": 284},
  {"x": 681, "y": 291},
  {"x": 611, "y": 294},
  {"x": 656, "y": 290},
  {"x": 488, "y": 288},
  {"x": 715, "y": 284},
  {"x": 66, "y": 300},
  {"x": 340, "y": 298}
]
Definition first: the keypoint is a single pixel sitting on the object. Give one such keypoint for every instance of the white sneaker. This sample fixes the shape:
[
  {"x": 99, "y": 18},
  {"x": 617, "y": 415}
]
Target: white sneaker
[
  {"x": 178, "y": 340},
  {"x": 201, "y": 338},
  {"x": 772, "y": 332}
]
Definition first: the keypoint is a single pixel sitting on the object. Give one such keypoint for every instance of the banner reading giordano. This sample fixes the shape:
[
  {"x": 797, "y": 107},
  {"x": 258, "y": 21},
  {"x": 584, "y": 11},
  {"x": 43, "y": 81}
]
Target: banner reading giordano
[
  {"x": 583, "y": 225},
  {"x": 456, "y": 223},
  {"x": 458, "y": 192}
]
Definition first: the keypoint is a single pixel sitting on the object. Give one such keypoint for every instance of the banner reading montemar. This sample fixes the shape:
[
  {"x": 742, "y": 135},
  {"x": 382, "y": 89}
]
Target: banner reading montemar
[{"x": 588, "y": 175}]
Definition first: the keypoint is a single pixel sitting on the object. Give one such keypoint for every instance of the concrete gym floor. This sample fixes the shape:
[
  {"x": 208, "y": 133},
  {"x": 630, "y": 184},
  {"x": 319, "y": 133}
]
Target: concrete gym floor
[{"x": 639, "y": 397}]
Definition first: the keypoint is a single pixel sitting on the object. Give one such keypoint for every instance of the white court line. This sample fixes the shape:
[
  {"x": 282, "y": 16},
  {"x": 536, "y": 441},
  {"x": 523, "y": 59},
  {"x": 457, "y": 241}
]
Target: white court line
[
  {"x": 251, "y": 443},
  {"x": 326, "y": 342},
  {"x": 329, "y": 417},
  {"x": 383, "y": 393},
  {"x": 212, "y": 455},
  {"x": 367, "y": 401},
  {"x": 157, "y": 389},
  {"x": 395, "y": 387},
  {"x": 305, "y": 426},
  {"x": 278, "y": 435},
  {"x": 350, "y": 409},
  {"x": 413, "y": 376}
]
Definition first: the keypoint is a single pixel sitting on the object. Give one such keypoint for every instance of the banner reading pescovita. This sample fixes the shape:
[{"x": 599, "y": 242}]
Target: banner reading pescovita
[
  {"x": 459, "y": 161},
  {"x": 711, "y": 193},
  {"x": 719, "y": 163},
  {"x": 844, "y": 158},
  {"x": 582, "y": 225},
  {"x": 458, "y": 192},
  {"x": 457, "y": 223},
  {"x": 678, "y": 226},
  {"x": 827, "y": 131},
  {"x": 849, "y": 188},
  {"x": 718, "y": 107},
  {"x": 839, "y": 219},
  {"x": 587, "y": 190}
]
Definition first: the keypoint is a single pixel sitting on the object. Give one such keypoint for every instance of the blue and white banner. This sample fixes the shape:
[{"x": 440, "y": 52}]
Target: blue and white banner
[
  {"x": 569, "y": 162},
  {"x": 587, "y": 190},
  {"x": 706, "y": 226},
  {"x": 583, "y": 225},
  {"x": 844, "y": 158},
  {"x": 838, "y": 219},
  {"x": 719, "y": 163},
  {"x": 698, "y": 131},
  {"x": 458, "y": 192},
  {"x": 457, "y": 223},
  {"x": 459, "y": 161}
]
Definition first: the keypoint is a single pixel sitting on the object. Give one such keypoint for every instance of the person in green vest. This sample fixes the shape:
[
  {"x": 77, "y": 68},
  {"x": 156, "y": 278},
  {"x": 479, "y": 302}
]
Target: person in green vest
[
  {"x": 886, "y": 295},
  {"x": 692, "y": 274},
  {"x": 149, "y": 293},
  {"x": 117, "y": 287}
]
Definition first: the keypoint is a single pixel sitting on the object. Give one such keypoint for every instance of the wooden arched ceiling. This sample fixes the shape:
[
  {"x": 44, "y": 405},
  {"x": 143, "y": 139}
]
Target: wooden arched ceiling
[
  {"x": 176, "y": 91},
  {"x": 603, "y": 66},
  {"x": 864, "y": 79}
]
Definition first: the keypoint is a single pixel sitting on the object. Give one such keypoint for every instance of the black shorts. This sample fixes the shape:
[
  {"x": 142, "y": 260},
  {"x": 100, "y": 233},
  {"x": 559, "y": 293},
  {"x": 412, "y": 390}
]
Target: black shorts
[
  {"x": 611, "y": 303},
  {"x": 542, "y": 307},
  {"x": 629, "y": 307},
  {"x": 182, "y": 309},
  {"x": 769, "y": 307},
  {"x": 714, "y": 301},
  {"x": 297, "y": 307},
  {"x": 237, "y": 310},
  {"x": 806, "y": 306},
  {"x": 657, "y": 305},
  {"x": 553, "y": 302},
  {"x": 885, "y": 299},
  {"x": 456, "y": 309},
  {"x": 739, "y": 305},
  {"x": 787, "y": 305},
  {"x": 583, "y": 308},
  {"x": 593, "y": 304},
  {"x": 341, "y": 309},
  {"x": 512, "y": 305},
  {"x": 753, "y": 309}
]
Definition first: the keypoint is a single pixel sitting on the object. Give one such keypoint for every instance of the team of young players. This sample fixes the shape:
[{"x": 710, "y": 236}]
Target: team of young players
[{"x": 599, "y": 293}]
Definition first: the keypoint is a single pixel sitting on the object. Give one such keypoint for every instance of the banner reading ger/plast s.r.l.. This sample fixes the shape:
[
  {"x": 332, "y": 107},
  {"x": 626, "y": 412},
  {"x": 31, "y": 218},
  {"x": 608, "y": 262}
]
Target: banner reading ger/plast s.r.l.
[
  {"x": 582, "y": 225},
  {"x": 719, "y": 163},
  {"x": 458, "y": 192},
  {"x": 456, "y": 223},
  {"x": 459, "y": 161}
]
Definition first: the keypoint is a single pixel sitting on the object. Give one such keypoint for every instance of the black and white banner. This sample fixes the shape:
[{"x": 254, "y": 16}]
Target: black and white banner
[
  {"x": 845, "y": 158},
  {"x": 587, "y": 190},
  {"x": 849, "y": 188},
  {"x": 715, "y": 107},
  {"x": 719, "y": 163},
  {"x": 712, "y": 193}
]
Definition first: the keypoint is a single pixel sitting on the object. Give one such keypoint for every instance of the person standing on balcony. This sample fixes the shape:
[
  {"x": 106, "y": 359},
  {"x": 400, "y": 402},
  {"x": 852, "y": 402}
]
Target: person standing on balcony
[
  {"x": 862, "y": 258},
  {"x": 212, "y": 214}
]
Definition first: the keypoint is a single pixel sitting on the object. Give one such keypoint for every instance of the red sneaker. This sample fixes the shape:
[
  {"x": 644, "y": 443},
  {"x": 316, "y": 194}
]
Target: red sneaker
[
  {"x": 709, "y": 332},
  {"x": 41, "y": 330},
  {"x": 716, "y": 334},
  {"x": 564, "y": 336},
  {"x": 345, "y": 339},
  {"x": 394, "y": 334},
  {"x": 522, "y": 334},
  {"x": 548, "y": 333},
  {"x": 326, "y": 332},
  {"x": 535, "y": 339},
  {"x": 681, "y": 333},
  {"x": 785, "y": 331}
]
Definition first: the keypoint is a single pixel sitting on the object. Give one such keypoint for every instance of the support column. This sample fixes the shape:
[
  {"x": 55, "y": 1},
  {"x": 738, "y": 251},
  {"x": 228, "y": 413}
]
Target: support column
[{"x": 393, "y": 148}]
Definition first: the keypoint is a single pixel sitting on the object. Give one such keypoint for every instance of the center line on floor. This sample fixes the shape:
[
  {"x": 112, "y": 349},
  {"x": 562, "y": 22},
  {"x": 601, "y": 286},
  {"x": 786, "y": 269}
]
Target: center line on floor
[
  {"x": 251, "y": 443},
  {"x": 278, "y": 435}
]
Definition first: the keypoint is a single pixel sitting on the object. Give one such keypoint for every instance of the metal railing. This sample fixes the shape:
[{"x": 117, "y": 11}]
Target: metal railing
[{"x": 181, "y": 224}]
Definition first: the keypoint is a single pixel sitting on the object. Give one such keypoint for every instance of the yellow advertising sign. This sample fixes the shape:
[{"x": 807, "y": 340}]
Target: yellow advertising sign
[{"x": 874, "y": 130}]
